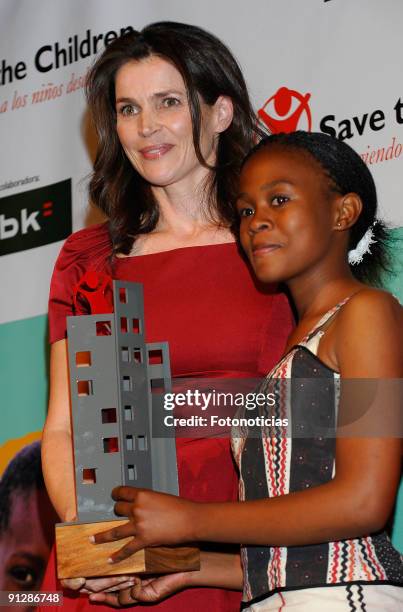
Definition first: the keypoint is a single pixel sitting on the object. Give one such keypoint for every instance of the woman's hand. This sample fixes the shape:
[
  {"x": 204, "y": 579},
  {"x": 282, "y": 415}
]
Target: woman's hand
[
  {"x": 96, "y": 585},
  {"x": 217, "y": 569},
  {"x": 149, "y": 590},
  {"x": 155, "y": 519}
]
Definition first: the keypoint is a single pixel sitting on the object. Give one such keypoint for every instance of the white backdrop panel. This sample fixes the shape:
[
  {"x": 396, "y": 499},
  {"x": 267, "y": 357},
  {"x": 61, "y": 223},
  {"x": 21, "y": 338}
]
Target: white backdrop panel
[{"x": 346, "y": 55}]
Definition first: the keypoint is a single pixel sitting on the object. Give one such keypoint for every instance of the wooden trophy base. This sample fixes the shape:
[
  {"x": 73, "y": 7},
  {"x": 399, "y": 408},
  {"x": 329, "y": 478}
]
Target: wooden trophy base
[{"x": 78, "y": 557}]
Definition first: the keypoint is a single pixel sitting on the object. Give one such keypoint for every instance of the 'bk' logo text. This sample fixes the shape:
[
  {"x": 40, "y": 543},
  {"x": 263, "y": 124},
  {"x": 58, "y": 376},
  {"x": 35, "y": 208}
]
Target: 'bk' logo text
[{"x": 35, "y": 218}]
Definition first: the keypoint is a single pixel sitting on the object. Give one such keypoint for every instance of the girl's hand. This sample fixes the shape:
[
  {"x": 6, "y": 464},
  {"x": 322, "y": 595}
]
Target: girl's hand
[{"x": 155, "y": 519}]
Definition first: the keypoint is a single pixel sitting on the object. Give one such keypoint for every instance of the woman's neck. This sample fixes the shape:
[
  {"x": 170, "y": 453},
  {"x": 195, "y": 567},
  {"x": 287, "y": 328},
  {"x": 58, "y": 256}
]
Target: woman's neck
[
  {"x": 184, "y": 221},
  {"x": 185, "y": 217},
  {"x": 182, "y": 207}
]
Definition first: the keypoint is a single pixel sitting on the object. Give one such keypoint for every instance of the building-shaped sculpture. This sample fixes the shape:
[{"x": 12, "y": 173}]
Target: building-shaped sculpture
[{"x": 117, "y": 383}]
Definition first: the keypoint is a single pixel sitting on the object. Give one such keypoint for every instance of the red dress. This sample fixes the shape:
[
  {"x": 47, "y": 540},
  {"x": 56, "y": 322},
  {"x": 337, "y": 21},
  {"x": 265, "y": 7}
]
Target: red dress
[{"x": 218, "y": 322}]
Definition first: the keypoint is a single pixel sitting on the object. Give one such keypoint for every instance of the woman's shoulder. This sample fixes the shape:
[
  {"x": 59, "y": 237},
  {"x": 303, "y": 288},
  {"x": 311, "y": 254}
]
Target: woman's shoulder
[
  {"x": 90, "y": 245},
  {"x": 85, "y": 250},
  {"x": 89, "y": 237}
]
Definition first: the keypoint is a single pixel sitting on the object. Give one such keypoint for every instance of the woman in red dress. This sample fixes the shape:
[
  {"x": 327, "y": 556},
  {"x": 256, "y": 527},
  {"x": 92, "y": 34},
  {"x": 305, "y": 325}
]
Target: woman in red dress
[{"x": 174, "y": 120}]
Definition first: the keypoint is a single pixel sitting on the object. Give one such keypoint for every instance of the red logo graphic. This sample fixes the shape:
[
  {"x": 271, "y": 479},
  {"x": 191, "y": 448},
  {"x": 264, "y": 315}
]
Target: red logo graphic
[
  {"x": 286, "y": 111},
  {"x": 47, "y": 209}
]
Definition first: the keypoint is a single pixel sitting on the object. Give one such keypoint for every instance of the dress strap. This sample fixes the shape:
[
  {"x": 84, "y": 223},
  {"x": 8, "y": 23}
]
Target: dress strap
[{"x": 312, "y": 339}]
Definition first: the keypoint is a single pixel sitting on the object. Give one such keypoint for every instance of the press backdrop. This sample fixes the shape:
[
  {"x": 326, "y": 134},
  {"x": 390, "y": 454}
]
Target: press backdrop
[{"x": 332, "y": 65}]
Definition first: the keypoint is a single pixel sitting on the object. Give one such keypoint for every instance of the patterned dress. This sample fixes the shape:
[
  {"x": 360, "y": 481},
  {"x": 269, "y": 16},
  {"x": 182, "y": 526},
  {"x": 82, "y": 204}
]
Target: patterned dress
[{"x": 295, "y": 459}]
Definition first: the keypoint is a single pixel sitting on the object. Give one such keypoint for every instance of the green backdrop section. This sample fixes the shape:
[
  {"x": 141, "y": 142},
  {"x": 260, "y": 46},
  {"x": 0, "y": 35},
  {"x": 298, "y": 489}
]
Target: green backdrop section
[
  {"x": 23, "y": 376},
  {"x": 397, "y": 532},
  {"x": 394, "y": 284}
]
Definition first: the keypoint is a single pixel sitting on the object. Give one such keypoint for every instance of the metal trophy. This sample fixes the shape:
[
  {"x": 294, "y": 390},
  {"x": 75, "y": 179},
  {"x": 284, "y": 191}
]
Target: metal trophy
[{"x": 117, "y": 382}]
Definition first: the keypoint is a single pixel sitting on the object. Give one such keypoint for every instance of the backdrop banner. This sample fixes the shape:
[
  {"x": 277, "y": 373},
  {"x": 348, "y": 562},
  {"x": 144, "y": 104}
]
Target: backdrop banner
[{"x": 325, "y": 65}]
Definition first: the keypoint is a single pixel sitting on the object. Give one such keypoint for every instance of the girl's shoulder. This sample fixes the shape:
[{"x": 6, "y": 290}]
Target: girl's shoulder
[
  {"x": 368, "y": 303},
  {"x": 368, "y": 335}
]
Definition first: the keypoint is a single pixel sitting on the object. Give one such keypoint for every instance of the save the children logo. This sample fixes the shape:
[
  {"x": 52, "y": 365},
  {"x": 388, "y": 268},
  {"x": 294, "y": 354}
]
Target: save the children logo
[
  {"x": 286, "y": 111},
  {"x": 34, "y": 218}
]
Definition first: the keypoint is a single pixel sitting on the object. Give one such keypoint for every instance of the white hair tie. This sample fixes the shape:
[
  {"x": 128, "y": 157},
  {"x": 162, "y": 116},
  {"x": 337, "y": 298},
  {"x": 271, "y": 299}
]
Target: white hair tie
[{"x": 364, "y": 246}]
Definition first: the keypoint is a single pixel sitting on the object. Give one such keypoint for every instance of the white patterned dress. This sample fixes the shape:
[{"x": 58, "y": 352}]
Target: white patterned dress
[{"x": 364, "y": 573}]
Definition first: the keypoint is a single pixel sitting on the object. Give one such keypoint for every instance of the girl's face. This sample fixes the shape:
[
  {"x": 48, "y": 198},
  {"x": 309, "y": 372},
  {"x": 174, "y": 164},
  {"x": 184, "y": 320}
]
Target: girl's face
[{"x": 287, "y": 213}]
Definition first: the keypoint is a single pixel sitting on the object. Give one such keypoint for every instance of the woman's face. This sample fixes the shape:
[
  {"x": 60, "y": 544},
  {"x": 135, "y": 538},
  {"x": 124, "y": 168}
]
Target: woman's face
[
  {"x": 287, "y": 213},
  {"x": 154, "y": 124}
]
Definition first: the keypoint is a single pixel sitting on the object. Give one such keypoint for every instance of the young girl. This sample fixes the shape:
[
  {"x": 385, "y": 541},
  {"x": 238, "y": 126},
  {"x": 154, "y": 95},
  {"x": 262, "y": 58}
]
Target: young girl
[{"x": 312, "y": 510}]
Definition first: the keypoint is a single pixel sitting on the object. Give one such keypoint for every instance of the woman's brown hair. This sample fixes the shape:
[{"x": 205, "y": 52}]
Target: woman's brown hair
[{"x": 209, "y": 70}]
